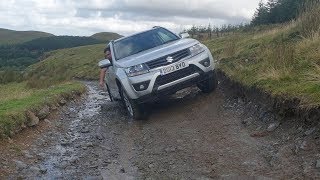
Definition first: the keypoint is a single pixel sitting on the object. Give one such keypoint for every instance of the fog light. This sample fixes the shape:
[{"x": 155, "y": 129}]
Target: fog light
[
  {"x": 141, "y": 86},
  {"x": 205, "y": 62}
]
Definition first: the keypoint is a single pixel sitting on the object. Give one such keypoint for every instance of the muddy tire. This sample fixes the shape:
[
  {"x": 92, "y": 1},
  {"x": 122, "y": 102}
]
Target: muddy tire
[
  {"x": 209, "y": 85},
  {"x": 134, "y": 110}
]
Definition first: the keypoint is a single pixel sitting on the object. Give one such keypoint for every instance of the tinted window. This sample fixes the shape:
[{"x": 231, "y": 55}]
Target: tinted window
[{"x": 143, "y": 41}]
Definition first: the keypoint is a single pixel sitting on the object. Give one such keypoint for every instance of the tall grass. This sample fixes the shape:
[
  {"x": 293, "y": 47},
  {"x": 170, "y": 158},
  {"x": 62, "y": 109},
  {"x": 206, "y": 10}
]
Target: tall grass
[
  {"x": 282, "y": 60},
  {"x": 309, "y": 20},
  {"x": 314, "y": 75}
]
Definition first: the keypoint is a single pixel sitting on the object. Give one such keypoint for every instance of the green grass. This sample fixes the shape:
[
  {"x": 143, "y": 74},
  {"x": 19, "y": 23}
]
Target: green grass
[
  {"x": 16, "y": 37},
  {"x": 16, "y": 99},
  {"x": 280, "y": 60},
  {"x": 79, "y": 62}
]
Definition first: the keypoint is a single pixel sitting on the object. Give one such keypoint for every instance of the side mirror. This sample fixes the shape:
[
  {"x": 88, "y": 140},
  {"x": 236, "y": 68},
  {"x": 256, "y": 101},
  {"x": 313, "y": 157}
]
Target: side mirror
[
  {"x": 105, "y": 63},
  {"x": 184, "y": 35}
]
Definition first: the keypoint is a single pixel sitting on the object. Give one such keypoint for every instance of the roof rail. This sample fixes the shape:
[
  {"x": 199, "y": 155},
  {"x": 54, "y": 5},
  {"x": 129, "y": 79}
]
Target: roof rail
[{"x": 156, "y": 27}]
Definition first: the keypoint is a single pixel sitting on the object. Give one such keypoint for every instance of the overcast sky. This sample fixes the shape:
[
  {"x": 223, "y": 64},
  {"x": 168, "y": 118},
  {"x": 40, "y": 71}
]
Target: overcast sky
[{"x": 86, "y": 17}]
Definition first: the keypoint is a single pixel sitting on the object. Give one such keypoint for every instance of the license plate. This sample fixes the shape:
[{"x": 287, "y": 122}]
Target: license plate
[{"x": 173, "y": 67}]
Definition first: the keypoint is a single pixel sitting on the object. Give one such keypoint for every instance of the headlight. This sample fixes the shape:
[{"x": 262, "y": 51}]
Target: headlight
[
  {"x": 196, "y": 49},
  {"x": 137, "y": 70}
]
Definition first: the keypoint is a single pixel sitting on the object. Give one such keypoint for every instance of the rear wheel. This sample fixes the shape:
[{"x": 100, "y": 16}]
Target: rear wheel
[
  {"x": 135, "y": 110},
  {"x": 209, "y": 85}
]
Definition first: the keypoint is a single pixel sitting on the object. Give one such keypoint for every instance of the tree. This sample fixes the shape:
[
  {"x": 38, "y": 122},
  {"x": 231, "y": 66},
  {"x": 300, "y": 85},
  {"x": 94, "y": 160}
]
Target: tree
[
  {"x": 287, "y": 10},
  {"x": 209, "y": 30},
  {"x": 261, "y": 15},
  {"x": 273, "y": 10},
  {"x": 193, "y": 31},
  {"x": 278, "y": 11}
]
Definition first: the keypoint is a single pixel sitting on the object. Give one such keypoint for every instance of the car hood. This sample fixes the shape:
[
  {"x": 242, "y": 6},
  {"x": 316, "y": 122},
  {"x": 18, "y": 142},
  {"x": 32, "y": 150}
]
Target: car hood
[{"x": 156, "y": 52}]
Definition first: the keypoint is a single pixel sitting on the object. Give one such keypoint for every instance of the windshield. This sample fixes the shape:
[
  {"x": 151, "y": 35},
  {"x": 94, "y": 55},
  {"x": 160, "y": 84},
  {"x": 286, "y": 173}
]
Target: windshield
[{"x": 143, "y": 41}]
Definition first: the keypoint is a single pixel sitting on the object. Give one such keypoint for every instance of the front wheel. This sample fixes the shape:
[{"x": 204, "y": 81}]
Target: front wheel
[
  {"x": 209, "y": 85},
  {"x": 134, "y": 110}
]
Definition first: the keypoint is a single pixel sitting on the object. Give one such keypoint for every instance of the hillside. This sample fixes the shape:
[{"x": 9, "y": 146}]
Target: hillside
[
  {"x": 58, "y": 42},
  {"x": 14, "y": 37},
  {"x": 65, "y": 64},
  {"x": 19, "y": 49},
  {"x": 106, "y": 36},
  {"x": 20, "y": 56},
  {"x": 284, "y": 60}
]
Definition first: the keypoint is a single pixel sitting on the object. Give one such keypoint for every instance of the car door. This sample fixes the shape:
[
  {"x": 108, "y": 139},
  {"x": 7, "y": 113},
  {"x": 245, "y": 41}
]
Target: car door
[{"x": 111, "y": 82}]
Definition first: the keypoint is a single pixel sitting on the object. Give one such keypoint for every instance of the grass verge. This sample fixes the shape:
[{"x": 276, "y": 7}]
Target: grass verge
[
  {"x": 16, "y": 100},
  {"x": 283, "y": 60}
]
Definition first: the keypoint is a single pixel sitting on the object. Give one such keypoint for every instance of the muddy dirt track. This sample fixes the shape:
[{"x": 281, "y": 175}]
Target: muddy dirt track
[{"x": 190, "y": 135}]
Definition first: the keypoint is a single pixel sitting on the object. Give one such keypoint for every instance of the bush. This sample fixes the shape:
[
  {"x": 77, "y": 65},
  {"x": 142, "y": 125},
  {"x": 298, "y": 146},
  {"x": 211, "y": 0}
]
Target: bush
[{"x": 10, "y": 75}]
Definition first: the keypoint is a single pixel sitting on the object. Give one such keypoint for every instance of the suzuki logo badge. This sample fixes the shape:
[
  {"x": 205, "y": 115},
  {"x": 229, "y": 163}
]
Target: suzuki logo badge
[{"x": 169, "y": 59}]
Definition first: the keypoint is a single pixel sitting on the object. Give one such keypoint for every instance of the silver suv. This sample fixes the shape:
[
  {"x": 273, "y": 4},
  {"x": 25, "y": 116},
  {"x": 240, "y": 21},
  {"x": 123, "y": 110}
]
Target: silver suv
[{"x": 155, "y": 63}]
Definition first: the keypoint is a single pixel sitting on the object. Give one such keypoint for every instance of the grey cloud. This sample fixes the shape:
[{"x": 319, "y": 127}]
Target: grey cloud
[
  {"x": 145, "y": 14},
  {"x": 129, "y": 9},
  {"x": 83, "y": 17},
  {"x": 86, "y": 13}
]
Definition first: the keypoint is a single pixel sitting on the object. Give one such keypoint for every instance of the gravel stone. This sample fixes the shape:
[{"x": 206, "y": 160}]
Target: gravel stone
[
  {"x": 33, "y": 119},
  {"x": 20, "y": 165},
  {"x": 85, "y": 130},
  {"x": 62, "y": 102},
  {"x": 318, "y": 163},
  {"x": 43, "y": 169},
  {"x": 34, "y": 170},
  {"x": 273, "y": 126},
  {"x": 44, "y": 112},
  {"x": 310, "y": 131}
]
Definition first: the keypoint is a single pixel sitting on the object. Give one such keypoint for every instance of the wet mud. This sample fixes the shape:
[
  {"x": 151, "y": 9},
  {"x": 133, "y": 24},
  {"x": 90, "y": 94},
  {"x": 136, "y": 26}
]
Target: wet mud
[{"x": 189, "y": 135}]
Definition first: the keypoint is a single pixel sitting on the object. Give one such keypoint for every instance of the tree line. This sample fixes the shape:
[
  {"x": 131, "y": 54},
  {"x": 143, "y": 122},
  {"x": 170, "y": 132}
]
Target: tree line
[
  {"x": 271, "y": 12},
  {"x": 216, "y": 31},
  {"x": 279, "y": 11}
]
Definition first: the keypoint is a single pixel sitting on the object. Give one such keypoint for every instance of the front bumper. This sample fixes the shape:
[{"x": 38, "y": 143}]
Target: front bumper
[{"x": 158, "y": 93}]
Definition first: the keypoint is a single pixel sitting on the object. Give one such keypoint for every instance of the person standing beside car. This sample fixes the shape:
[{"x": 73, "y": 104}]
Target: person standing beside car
[{"x": 107, "y": 55}]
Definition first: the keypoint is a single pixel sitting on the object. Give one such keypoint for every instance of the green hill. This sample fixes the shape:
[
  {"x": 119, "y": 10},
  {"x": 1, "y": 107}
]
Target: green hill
[
  {"x": 20, "y": 56},
  {"x": 106, "y": 36},
  {"x": 65, "y": 64},
  {"x": 15, "y": 37}
]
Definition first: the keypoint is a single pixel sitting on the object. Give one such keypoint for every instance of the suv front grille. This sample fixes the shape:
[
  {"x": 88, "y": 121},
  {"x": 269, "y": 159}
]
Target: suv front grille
[
  {"x": 165, "y": 79},
  {"x": 163, "y": 60}
]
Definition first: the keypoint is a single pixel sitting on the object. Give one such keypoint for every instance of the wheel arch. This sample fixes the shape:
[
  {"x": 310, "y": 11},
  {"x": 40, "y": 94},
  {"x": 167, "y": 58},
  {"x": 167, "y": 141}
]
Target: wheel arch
[{"x": 119, "y": 85}]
